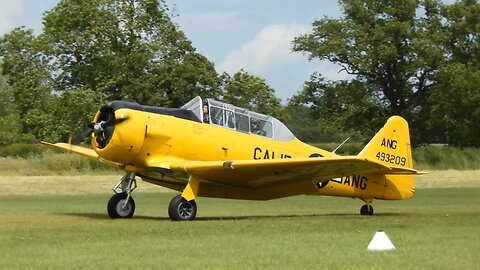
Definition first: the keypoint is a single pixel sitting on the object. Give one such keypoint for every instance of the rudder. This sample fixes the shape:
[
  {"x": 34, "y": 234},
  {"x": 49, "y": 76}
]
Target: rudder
[{"x": 391, "y": 145}]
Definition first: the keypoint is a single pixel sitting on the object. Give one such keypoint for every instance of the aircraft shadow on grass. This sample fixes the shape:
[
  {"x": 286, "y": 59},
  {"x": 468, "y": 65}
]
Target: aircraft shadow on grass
[{"x": 227, "y": 218}]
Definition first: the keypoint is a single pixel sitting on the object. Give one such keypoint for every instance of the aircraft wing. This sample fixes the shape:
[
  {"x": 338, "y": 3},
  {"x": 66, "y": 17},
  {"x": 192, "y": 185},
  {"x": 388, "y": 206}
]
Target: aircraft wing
[
  {"x": 87, "y": 152},
  {"x": 75, "y": 149},
  {"x": 261, "y": 173}
]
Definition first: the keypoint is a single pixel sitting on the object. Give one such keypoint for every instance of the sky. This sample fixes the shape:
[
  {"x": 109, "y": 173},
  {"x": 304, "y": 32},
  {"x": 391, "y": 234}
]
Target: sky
[{"x": 255, "y": 35}]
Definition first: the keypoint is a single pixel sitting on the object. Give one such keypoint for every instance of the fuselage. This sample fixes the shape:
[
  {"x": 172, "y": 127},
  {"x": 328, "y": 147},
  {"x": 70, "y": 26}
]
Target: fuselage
[{"x": 147, "y": 141}]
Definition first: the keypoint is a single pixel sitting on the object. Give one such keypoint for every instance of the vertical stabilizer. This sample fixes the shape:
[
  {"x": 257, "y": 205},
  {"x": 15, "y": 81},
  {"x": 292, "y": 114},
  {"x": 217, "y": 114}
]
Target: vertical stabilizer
[{"x": 391, "y": 145}]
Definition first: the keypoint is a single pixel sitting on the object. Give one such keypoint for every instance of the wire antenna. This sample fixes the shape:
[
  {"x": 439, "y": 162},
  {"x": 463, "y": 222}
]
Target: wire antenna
[{"x": 335, "y": 150}]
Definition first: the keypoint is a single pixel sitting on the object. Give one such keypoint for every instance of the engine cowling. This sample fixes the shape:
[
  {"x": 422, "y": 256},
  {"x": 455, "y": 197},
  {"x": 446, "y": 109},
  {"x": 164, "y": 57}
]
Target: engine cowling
[{"x": 119, "y": 131}]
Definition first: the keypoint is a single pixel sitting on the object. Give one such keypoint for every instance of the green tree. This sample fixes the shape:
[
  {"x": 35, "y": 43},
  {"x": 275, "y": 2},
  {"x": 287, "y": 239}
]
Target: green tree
[
  {"x": 463, "y": 32},
  {"x": 389, "y": 47},
  {"x": 10, "y": 128},
  {"x": 73, "y": 110},
  {"x": 341, "y": 107},
  {"x": 251, "y": 92},
  {"x": 125, "y": 49},
  {"x": 309, "y": 128},
  {"x": 29, "y": 83},
  {"x": 454, "y": 114}
]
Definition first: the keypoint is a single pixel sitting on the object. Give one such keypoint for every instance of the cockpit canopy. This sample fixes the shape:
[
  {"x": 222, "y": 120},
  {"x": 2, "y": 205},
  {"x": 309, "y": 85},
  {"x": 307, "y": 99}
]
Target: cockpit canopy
[{"x": 239, "y": 119}]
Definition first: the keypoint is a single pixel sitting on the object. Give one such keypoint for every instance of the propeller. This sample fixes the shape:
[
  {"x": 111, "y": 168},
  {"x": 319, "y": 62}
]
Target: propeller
[{"x": 103, "y": 128}]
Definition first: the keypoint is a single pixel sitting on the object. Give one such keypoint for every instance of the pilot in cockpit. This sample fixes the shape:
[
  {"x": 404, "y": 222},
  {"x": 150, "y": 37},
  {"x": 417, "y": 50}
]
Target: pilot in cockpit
[
  {"x": 255, "y": 127},
  {"x": 206, "y": 116}
]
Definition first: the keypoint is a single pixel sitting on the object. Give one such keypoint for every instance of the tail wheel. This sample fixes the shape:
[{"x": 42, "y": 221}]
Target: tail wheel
[
  {"x": 366, "y": 210},
  {"x": 181, "y": 209},
  {"x": 119, "y": 207}
]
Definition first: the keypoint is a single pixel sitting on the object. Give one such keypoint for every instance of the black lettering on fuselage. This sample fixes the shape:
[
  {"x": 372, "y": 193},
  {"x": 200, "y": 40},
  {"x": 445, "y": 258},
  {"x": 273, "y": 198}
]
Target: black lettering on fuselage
[
  {"x": 259, "y": 153},
  {"x": 346, "y": 181},
  {"x": 267, "y": 156},
  {"x": 363, "y": 183},
  {"x": 392, "y": 144},
  {"x": 356, "y": 181}
]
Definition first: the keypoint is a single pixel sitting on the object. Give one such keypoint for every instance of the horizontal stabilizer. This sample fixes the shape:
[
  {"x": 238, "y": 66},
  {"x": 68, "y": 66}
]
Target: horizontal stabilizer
[{"x": 403, "y": 171}]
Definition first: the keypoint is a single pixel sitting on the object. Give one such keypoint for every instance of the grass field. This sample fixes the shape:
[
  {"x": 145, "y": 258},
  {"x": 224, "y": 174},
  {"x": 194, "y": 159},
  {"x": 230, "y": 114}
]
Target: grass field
[{"x": 60, "y": 222}]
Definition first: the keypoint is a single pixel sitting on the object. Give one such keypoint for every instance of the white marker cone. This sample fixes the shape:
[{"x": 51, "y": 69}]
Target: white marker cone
[{"x": 380, "y": 241}]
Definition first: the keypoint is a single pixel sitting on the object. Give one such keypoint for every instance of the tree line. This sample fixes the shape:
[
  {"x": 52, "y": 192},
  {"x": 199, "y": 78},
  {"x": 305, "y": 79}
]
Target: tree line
[{"x": 415, "y": 58}]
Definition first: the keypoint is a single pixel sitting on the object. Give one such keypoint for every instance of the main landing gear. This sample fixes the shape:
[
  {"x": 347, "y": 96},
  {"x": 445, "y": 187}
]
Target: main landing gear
[
  {"x": 180, "y": 209},
  {"x": 122, "y": 205},
  {"x": 366, "y": 210}
]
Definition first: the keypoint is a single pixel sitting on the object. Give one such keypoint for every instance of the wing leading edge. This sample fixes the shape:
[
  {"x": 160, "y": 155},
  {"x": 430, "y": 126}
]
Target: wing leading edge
[
  {"x": 74, "y": 149},
  {"x": 87, "y": 152}
]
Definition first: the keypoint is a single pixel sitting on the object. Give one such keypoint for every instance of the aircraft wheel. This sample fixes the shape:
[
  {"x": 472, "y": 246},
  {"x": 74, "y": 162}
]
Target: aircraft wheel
[
  {"x": 116, "y": 209},
  {"x": 366, "y": 210},
  {"x": 181, "y": 209}
]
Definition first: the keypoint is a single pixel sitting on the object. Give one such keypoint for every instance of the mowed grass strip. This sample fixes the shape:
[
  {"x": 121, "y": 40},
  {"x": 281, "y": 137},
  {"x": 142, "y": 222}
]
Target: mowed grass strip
[
  {"x": 68, "y": 228},
  {"x": 86, "y": 184}
]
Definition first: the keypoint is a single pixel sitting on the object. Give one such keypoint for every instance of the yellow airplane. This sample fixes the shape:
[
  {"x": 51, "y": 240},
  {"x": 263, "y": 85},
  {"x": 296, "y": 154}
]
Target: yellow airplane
[{"x": 209, "y": 148}]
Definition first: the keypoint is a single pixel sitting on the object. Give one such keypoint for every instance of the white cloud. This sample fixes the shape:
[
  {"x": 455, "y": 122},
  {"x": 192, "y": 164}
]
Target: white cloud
[
  {"x": 271, "y": 47},
  {"x": 269, "y": 55},
  {"x": 9, "y": 11}
]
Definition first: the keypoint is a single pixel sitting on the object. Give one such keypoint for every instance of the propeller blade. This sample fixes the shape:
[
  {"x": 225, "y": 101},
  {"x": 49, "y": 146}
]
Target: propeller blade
[{"x": 80, "y": 136}]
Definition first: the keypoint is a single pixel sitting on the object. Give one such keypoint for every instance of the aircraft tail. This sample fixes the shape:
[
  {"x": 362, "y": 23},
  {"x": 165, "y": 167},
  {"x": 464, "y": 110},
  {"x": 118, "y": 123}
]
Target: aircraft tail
[{"x": 391, "y": 147}]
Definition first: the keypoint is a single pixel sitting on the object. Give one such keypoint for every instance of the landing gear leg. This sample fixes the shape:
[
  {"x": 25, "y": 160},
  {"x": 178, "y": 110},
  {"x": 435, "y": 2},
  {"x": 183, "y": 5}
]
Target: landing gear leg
[{"x": 121, "y": 204}]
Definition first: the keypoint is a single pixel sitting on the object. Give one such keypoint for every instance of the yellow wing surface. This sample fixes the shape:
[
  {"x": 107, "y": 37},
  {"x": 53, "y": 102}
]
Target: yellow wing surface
[
  {"x": 87, "y": 152},
  {"x": 260, "y": 173},
  {"x": 74, "y": 149}
]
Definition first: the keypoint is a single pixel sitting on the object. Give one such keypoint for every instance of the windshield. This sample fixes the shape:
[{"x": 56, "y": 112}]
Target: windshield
[{"x": 239, "y": 119}]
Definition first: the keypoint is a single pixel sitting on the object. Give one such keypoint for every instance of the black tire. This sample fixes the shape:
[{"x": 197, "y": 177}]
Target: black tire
[
  {"x": 366, "y": 210},
  {"x": 180, "y": 209},
  {"x": 115, "y": 206}
]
